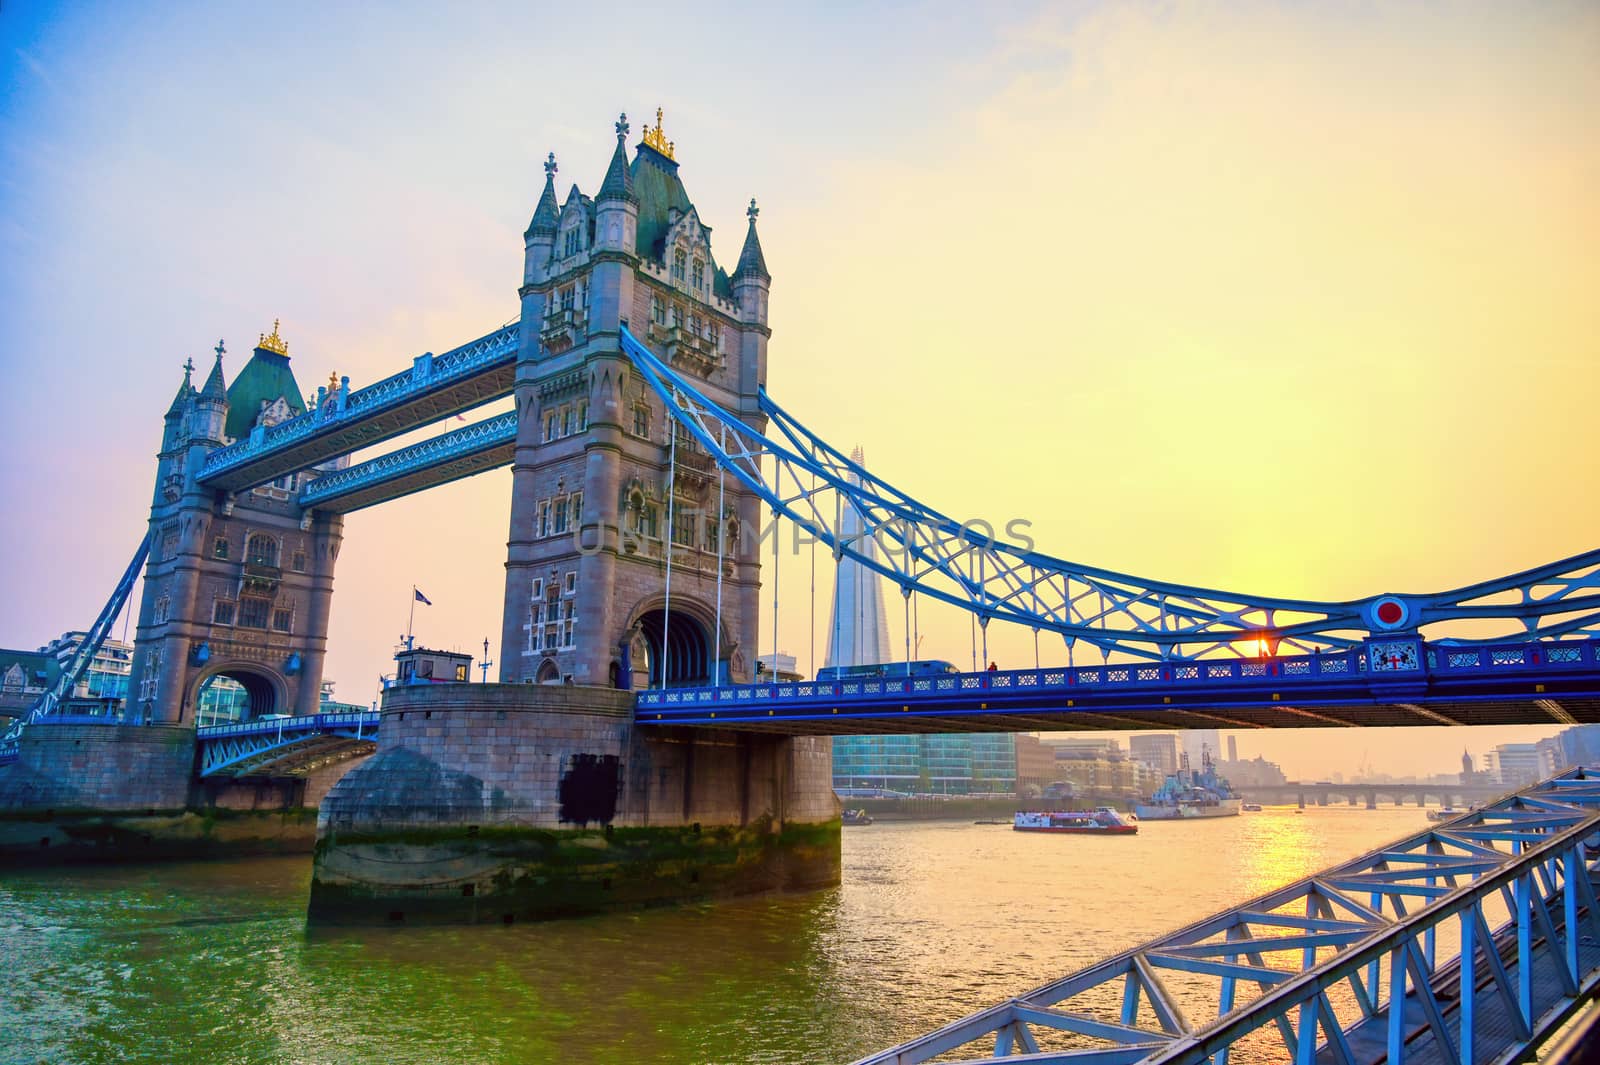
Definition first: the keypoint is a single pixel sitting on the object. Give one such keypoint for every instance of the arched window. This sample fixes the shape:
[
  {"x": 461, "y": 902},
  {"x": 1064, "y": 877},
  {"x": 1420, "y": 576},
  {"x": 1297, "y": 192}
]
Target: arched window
[
  {"x": 261, "y": 550},
  {"x": 698, "y": 277},
  {"x": 680, "y": 262}
]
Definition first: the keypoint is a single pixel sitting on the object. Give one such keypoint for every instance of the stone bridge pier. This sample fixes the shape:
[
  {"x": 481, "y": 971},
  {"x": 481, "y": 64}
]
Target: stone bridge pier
[
  {"x": 506, "y": 802},
  {"x": 629, "y": 563}
]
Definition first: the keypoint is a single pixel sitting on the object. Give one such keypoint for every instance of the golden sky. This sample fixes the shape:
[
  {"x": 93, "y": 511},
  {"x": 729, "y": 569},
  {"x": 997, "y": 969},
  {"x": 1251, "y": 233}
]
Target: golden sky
[{"x": 1292, "y": 299}]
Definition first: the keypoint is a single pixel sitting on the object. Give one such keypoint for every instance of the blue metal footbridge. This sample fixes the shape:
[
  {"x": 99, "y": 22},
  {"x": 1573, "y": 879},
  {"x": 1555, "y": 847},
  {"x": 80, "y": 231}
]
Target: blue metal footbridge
[
  {"x": 1511, "y": 650},
  {"x": 1473, "y": 941}
]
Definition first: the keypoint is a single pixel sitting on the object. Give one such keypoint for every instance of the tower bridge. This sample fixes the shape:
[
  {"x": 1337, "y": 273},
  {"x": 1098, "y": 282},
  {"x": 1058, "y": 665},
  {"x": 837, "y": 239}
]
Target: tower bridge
[{"x": 644, "y": 452}]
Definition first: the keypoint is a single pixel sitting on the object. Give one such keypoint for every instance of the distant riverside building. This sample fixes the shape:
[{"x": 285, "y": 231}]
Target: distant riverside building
[
  {"x": 1233, "y": 748},
  {"x": 107, "y": 675},
  {"x": 779, "y": 667},
  {"x": 1515, "y": 764},
  {"x": 1103, "y": 768},
  {"x": 1096, "y": 745},
  {"x": 1254, "y": 772},
  {"x": 1036, "y": 762},
  {"x": 1579, "y": 745},
  {"x": 1157, "y": 750},
  {"x": 24, "y": 676}
]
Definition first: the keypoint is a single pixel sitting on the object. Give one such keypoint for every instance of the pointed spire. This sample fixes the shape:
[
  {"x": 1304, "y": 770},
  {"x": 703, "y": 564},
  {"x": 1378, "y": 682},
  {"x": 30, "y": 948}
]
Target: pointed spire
[
  {"x": 215, "y": 389},
  {"x": 185, "y": 390},
  {"x": 751, "y": 262},
  {"x": 544, "y": 215},
  {"x": 618, "y": 184}
]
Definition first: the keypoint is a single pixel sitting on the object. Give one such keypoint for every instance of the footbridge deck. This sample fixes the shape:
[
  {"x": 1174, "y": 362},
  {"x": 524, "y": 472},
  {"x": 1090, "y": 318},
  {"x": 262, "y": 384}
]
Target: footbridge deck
[{"x": 1471, "y": 942}]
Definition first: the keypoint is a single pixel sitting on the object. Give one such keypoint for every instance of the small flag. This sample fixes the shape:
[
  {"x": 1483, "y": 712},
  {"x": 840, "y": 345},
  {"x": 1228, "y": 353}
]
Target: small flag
[{"x": 424, "y": 600}]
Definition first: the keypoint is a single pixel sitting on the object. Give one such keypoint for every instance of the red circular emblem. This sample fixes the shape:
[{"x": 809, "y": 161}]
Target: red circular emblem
[{"x": 1389, "y": 612}]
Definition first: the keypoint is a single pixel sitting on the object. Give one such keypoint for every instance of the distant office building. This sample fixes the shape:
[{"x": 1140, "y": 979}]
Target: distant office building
[
  {"x": 1551, "y": 760},
  {"x": 1095, "y": 745},
  {"x": 778, "y": 667},
  {"x": 1198, "y": 740},
  {"x": 1515, "y": 764},
  {"x": 107, "y": 675},
  {"x": 1157, "y": 750},
  {"x": 1579, "y": 745},
  {"x": 1036, "y": 762},
  {"x": 1233, "y": 748}
]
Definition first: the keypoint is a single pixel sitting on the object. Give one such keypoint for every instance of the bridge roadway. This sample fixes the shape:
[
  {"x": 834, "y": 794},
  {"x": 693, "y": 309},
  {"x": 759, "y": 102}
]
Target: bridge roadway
[
  {"x": 1532, "y": 683},
  {"x": 285, "y": 746},
  {"x": 1484, "y": 930},
  {"x": 1535, "y": 683}
]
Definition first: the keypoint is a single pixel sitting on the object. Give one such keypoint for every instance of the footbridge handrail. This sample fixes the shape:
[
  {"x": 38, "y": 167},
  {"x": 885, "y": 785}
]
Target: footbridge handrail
[{"x": 1380, "y": 915}]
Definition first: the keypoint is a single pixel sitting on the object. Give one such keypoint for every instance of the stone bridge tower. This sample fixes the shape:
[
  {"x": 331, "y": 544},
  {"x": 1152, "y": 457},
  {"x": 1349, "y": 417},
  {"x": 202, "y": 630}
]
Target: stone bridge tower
[
  {"x": 237, "y": 584},
  {"x": 587, "y": 597}
]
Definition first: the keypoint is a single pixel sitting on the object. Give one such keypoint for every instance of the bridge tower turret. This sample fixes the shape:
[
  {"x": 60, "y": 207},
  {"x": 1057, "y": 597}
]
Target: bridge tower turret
[
  {"x": 587, "y": 597},
  {"x": 237, "y": 584}
]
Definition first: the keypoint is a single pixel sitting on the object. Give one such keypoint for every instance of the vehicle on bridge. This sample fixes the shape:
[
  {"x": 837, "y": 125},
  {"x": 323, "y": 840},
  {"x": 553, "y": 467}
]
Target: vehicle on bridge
[{"x": 885, "y": 669}]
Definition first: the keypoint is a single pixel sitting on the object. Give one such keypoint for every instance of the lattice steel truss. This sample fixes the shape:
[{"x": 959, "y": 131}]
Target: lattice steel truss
[
  {"x": 82, "y": 657},
  {"x": 806, "y": 480},
  {"x": 1329, "y": 957},
  {"x": 287, "y": 746}
]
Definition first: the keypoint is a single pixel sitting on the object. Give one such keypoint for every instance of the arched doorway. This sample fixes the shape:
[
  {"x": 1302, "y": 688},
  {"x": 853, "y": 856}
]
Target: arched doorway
[
  {"x": 687, "y": 658},
  {"x": 232, "y": 695}
]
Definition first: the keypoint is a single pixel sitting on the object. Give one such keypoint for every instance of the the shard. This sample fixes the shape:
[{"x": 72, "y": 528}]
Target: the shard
[{"x": 858, "y": 630}]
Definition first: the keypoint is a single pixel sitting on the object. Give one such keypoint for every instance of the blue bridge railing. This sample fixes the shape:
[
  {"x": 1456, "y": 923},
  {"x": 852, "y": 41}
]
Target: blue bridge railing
[{"x": 1381, "y": 668}]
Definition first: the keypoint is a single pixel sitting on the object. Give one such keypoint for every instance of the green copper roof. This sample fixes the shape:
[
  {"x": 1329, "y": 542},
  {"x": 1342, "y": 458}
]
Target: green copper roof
[
  {"x": 264, "y": 378},
  {"x": 656, "y": 184}
]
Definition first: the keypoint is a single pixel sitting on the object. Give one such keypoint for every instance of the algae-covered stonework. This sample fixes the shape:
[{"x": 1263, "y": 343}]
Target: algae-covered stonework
[{"x": 505, "y": 802}]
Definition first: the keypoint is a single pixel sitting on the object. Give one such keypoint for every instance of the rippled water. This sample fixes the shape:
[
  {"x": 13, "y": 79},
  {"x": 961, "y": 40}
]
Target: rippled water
[{"x": 214, "y": 963}]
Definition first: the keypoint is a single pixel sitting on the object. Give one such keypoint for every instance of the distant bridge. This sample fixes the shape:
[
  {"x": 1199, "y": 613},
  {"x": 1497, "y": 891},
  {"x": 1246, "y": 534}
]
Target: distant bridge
[{"x": 1305, "y": 793}]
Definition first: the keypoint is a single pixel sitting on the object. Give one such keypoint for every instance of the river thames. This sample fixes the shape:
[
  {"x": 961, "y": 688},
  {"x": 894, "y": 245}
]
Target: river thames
[{"x": 213, "y": 962}]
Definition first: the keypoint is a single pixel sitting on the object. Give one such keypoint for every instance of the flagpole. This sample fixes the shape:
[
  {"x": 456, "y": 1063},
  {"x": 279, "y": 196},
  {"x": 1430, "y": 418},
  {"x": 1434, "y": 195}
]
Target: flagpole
[{"x": 412, "y": 618}]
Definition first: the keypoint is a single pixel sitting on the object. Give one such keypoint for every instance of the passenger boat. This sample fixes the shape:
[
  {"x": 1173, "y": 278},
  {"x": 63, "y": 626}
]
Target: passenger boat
[
  {"x": 1102, "y": 821},
  {"x": 1251, "y": 807},
  {"x": 856, "y": 817}
]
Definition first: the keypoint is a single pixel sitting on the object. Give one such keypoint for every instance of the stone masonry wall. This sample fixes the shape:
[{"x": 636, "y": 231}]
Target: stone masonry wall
[
  {"x": 99, "y": 767},
  {"x": 491, "y": 802}
]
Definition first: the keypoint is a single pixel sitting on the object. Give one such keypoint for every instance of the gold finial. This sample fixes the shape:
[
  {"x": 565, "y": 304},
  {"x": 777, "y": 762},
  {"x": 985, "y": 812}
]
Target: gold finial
[
  {"x": 654, "y": 138},
  {"x": 274, "y": 342},
  {"x": 333, "y": 382}
]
